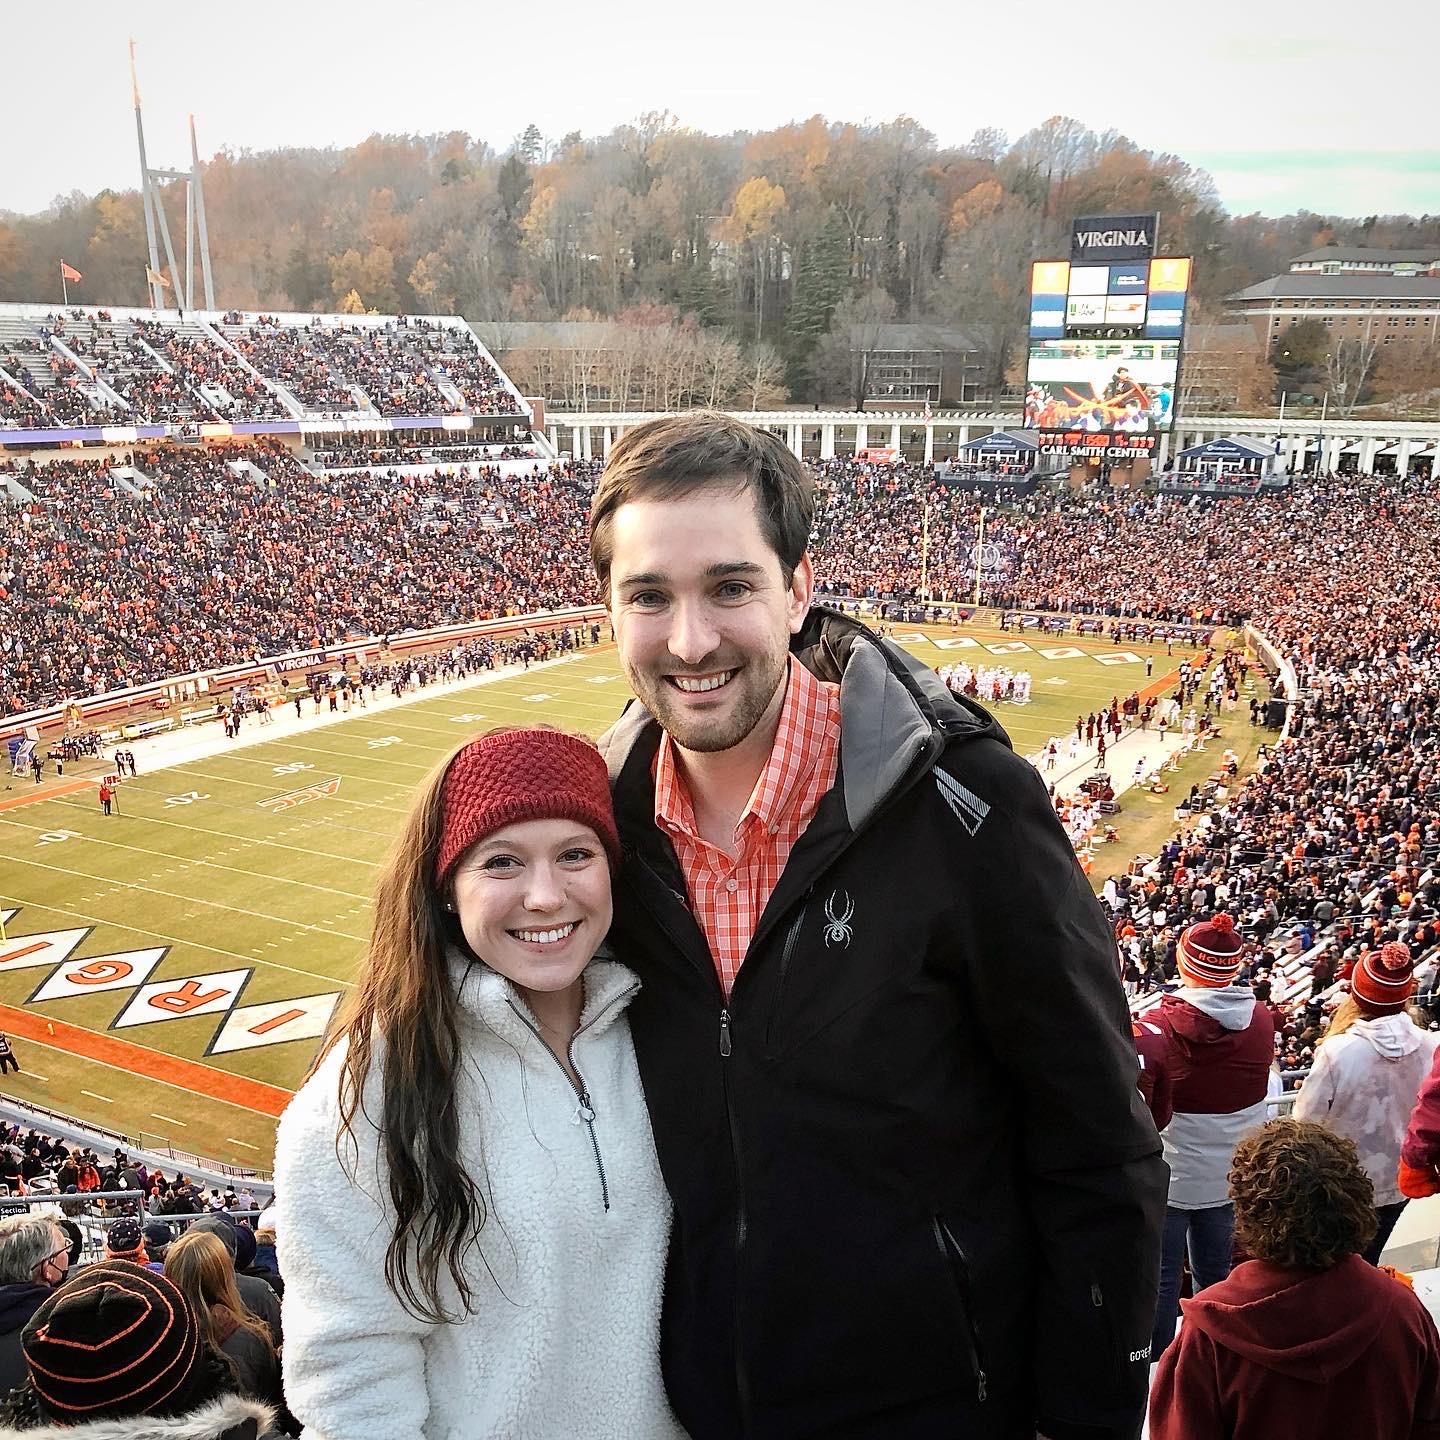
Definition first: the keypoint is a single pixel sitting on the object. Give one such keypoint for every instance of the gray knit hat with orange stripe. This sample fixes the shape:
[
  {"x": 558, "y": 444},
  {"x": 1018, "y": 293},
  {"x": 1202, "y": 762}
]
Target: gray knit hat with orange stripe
[
  {"x": 116, "y": 1340},
  {"x": 1384, "y": 980},
  {"x": 1209, "y": 953}
]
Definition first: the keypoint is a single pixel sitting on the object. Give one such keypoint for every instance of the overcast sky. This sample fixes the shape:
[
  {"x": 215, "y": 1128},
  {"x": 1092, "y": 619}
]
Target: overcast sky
[{"x": 1288, "y": 107}]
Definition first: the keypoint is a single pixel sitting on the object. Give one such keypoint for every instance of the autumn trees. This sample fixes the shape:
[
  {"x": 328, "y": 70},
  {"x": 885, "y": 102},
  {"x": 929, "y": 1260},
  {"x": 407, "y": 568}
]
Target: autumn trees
[{"x": 772, "y": 254}]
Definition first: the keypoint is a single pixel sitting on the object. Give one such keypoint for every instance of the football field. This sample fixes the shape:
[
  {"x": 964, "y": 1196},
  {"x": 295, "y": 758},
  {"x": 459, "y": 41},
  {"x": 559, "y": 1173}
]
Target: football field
[{"x": 168, "y": 970}]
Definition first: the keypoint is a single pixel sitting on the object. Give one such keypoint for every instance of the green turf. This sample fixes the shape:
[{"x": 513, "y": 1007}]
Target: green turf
[{"x": 194, "y": 863}]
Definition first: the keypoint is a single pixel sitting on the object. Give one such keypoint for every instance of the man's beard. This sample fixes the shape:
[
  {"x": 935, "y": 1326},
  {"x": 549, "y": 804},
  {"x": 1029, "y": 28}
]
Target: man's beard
[{"x": 757, "y": 681}]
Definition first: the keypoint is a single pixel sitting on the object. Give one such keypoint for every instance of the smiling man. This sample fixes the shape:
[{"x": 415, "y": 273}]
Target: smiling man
[{"x": 882, "y": 1034}]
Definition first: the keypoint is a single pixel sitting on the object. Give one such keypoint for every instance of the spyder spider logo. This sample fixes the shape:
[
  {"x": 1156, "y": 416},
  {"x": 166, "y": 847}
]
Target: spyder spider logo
[{"x": 839, "y": 910}]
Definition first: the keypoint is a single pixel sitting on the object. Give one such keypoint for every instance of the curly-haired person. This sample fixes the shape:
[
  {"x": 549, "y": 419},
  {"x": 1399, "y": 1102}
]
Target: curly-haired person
[{"x": 1305, "y": 1341}]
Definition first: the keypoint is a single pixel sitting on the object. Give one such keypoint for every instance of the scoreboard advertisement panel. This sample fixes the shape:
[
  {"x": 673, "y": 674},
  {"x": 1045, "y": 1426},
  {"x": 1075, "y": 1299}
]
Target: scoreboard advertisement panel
[
  {"x": 1105, "y": 334},
  {"x": 1101, "y": 397}
]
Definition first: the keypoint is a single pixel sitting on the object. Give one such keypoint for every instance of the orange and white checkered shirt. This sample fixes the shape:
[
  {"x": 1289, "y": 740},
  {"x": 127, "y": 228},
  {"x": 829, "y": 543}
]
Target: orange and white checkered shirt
[{"x": 729, "y": 893}]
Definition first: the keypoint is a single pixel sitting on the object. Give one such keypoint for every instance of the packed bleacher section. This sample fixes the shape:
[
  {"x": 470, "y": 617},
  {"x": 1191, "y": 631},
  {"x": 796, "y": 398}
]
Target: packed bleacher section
[
  {"x": 1332, "y": 848},
  {"x": 83, "y": 367},
  {"x": 168, "y": 372},
  {"x": 405, "y": 367},
  {"x": 34, "y": 1164},
  {"x": 362, "y": 456},
  {"x": 1326, "y": 852},
  {"x": 219, "y": 565}
]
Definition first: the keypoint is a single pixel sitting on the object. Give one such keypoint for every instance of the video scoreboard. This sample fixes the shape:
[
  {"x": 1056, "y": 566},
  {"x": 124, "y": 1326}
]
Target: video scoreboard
[{"x": 1105, "y": 332}]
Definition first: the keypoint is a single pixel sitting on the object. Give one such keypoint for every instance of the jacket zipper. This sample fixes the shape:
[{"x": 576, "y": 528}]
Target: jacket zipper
[
  {"x": 791, "y": 936},
  {"x": 586, "y": 1113},
  {"x": 742, "y": 1384},
  {"x": 959, "y": 1264}
]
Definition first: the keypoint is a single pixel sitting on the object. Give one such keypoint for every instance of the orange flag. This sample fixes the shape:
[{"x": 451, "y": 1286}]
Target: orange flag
[
  {"x": 69, "y": 272},
  {"x": 155, "y": 279}
]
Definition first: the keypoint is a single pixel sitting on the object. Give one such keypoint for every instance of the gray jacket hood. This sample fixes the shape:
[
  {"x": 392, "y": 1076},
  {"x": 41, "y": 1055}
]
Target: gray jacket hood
[
  {"x": 897, "y": 715},
  {"x": 1231, "y": 1005}
]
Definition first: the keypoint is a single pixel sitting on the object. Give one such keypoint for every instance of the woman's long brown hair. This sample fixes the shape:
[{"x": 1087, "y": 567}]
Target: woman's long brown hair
[
  {"x": 404, "y": 1003},
  {"x": 200, "y": 1266}
]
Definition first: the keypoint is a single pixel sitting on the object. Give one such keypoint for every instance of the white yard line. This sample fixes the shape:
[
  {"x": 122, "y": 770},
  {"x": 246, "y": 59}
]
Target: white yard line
[
  {"x": 106, "y": 882},
  {"x": 381, "y": 754},
  {"x": 279, "y": 784},
  {"x": 150, "y": 1079},
  {"x": 230, "y": 834},
  {"x": 187, "y": 860}
]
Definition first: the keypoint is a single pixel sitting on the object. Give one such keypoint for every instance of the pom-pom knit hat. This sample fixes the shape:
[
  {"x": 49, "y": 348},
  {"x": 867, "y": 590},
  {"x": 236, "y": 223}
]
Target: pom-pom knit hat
[
  {"x": 1209, "y": 953},
  {"x": 517, "y": 775},
  {"x": 1384, "y": 980}
]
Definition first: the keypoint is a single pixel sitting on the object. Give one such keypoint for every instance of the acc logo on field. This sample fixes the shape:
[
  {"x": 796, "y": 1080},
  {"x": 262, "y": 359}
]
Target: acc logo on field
[
  {"x": 1008, "y": 647},
  {"x": 122, "y": 971},
  {"x": 179, "y": 998},
  {"x": 291, "y": 798},
  {"x": 251, "y": 1026},
  {"x": 1120, "y": 657},
  {"x": 956, "y": 642}
]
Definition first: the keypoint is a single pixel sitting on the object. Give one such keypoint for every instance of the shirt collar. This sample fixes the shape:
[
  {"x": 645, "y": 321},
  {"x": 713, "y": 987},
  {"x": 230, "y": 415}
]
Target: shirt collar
[{"x": 808, "y": 706}]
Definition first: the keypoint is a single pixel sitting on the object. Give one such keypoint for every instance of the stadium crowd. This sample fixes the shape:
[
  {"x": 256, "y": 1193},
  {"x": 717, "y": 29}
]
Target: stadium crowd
[
  {"x": 363, "y": 454},
  {"x": 217, "y": 567},
  {"x": 172, "y": 371},
  {"x": 1320, "y": 862},
  {"x": 400, "y": 366}
]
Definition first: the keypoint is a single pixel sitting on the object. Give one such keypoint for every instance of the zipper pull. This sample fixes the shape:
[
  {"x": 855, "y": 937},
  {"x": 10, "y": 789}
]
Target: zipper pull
[
  {"x": 725, "y": 1034},
  {"x": 586, "y": 1112},
  {"x": 1096, "y": 1298},
  {"x": 982, "y": 1387}
]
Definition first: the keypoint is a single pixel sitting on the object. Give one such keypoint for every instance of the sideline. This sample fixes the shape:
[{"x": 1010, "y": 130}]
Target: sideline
[{"x": 49, "y": 792}]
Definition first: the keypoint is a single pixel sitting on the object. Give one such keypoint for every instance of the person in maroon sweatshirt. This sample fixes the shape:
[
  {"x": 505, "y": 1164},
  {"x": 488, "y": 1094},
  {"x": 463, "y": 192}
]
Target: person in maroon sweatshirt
[
  {"x": 1152, "y": 1046},
  {"x": 1221, "y": 1044},
  {"x": 1305, "y": 1341}
]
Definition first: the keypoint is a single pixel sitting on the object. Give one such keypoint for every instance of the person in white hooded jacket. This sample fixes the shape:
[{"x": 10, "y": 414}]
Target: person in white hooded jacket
[
  {"x": 472, "y": 1221},
  {"x": 1367, "y": 1073}
]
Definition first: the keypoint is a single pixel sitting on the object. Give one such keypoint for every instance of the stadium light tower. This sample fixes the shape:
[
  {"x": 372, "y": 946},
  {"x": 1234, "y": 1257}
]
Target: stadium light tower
[{"x": 156, "y": 221}]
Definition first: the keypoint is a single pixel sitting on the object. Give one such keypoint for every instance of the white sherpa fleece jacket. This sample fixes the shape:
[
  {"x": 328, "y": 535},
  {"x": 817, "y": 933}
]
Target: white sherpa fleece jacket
[
  {"x": 209, "y": 1422},
  {"x": 563, "y": 1336}
]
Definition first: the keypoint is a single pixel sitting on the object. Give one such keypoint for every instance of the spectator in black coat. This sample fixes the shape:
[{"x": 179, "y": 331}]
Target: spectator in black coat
[{"x": 34, "y": 1259}]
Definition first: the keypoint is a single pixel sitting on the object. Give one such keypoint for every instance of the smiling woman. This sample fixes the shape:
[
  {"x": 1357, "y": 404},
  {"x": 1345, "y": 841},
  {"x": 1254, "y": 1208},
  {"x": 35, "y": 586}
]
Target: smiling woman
[{"x": 480, "y": 1106}]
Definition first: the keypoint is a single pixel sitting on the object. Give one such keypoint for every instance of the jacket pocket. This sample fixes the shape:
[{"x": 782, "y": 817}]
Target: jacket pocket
[
  {"x": 1107, "y": 1331},
  {"x": 958, "y": 1264},
  {"x": 787, "y": 953}
]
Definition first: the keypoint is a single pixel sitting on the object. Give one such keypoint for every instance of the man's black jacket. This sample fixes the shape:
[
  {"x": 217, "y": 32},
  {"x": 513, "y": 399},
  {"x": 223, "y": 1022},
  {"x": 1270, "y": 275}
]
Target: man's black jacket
[{"x": 916, "y": 1191}]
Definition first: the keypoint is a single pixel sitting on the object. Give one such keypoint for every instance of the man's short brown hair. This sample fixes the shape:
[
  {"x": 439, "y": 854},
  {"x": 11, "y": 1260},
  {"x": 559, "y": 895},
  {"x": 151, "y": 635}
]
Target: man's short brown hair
[
  {"x": 1301, "y": 1195},
  {"x": 679, "y": 454}
]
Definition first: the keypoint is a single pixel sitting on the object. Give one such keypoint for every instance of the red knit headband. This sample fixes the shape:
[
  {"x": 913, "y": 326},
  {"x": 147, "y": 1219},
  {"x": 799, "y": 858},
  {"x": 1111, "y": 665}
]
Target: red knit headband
[{"x": 518, "y": 775}]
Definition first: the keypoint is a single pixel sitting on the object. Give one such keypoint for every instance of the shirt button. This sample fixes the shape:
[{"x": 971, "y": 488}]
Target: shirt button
[
  {"x": 774, "y": 829},
  {"x": 732, "y": 886}
]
